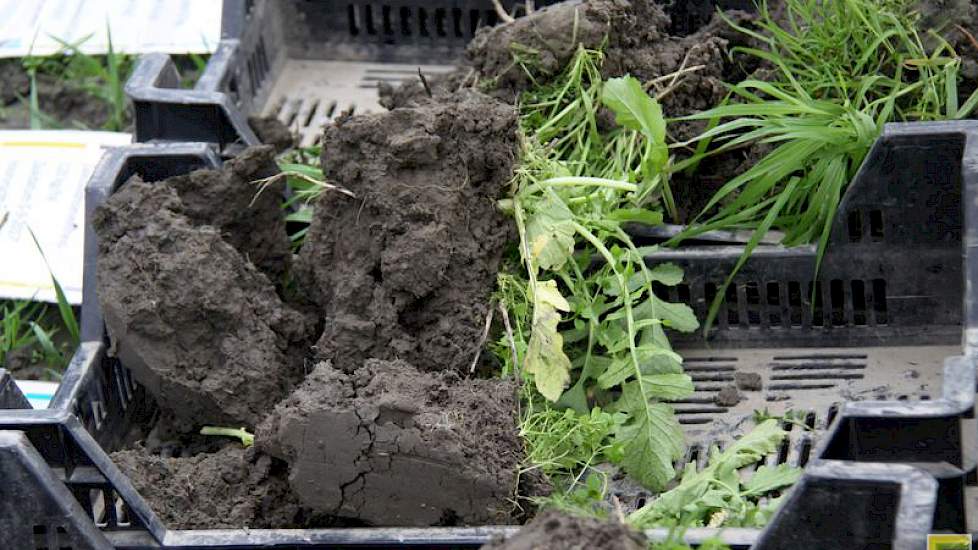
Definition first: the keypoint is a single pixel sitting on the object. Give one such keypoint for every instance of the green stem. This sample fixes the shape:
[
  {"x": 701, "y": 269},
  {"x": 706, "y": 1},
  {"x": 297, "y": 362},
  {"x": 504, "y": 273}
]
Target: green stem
[
  {"x": 247, "y": 439},
  {"x": 623, "y": 286},
  {"x": 573, "y": 181}
]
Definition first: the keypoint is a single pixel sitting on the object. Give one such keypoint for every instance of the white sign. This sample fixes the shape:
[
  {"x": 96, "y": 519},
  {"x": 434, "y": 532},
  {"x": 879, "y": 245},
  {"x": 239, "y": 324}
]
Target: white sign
[
  {"x": 42, "y": 189},
  {"x": 137, "y": 26}
]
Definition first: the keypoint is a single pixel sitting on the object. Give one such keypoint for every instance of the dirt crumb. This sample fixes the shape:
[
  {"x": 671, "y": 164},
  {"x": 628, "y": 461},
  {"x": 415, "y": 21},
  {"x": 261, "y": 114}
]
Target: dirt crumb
[
  {"x": 728, "y": 396},
  {"x": 748, "y": 381},
  {"x": 405, "y": 270},
  {"x": 272, "y": 131},
  {"x": 196, "y": 322},
  {"x": 393, "y": 446},
  {"x": 231, "y": 488},
  {"x": 553, "y": 530}
]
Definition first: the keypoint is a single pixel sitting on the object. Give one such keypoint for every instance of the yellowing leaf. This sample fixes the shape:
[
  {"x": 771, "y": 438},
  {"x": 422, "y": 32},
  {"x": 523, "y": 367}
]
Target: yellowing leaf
[
  {"x": 550, "y": 232},
  {"x": 545, "y": 357}
]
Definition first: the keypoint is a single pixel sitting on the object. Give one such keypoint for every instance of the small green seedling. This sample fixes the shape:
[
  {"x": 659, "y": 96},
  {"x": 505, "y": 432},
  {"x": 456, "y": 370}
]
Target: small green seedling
[{"x": 247, "y": 439}]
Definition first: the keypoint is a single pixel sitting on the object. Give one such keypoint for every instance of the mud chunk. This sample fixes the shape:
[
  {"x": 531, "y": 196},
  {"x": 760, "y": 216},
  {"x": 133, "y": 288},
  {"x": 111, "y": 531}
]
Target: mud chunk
[
  {"x": 271, "y": 131},
  {"x": 556, "y": 531},
  {"x": 727, "y": 397},
  {"x": 390, "y": 445},
  {"x": 748, "y": 381},
  {"x": 197, "y": 323},
  {"x": 546, "y": 40},
  {"x": 412, "y": 92},
  {"x": 405, "y": 270},
  {"x": 231, "y": 488},
  {"x": 228, "y": 199}
]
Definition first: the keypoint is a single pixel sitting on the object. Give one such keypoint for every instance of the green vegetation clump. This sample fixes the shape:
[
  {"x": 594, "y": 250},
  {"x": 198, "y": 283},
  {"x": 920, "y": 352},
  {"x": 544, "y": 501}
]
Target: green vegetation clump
[{"x": 837, "y": 72}]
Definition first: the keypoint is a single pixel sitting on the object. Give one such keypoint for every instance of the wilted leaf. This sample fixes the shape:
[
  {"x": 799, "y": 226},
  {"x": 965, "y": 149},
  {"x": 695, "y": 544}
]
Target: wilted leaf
[{"x": 545, "y": 357}]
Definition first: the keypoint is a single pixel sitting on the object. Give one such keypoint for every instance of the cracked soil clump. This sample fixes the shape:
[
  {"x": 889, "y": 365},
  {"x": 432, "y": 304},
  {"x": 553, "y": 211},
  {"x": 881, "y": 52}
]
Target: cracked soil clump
[
  {"x": 232, "y": 488},
  {"x": 557, "y": 531},
  {"x": 406, "y": 269},
  {"x": 195, "y": 321},
  {"x": 390, "y": 445}
]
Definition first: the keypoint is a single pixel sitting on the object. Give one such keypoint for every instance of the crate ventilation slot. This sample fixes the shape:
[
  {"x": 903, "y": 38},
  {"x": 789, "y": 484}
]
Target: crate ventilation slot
[
  {"x": 865, "y": 225},
  {"x": 258, "y": 66},
  {"x": 106, "y": 507},
  {"x": 787, "y": 305},
  {"x": 51, "y": 538},
  {"x": 395, "y": 23}
]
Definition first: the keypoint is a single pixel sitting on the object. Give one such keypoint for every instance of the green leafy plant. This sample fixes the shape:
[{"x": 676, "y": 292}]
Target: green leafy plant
[
  {"x": 102, "y": 77},
  {"x": 717, "y": 495},
  {"x": 596, "y": 334},
  {"x": 840, "y": 71},
  {"x": 29, "y": 324}
]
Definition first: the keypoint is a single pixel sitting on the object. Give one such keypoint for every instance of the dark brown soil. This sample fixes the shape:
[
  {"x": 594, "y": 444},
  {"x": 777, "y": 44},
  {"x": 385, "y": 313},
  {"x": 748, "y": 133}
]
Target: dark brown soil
[
  {"x": 553, "y": 530},
  {"x": 393, "y": 446},
  {"x": 405, "y": 270},
  {"x": 195, "y": 321},
  {"x": 229, "y": 200},
  {"x": 232, "y": 488},
  {"x": 272, "y": 131}
]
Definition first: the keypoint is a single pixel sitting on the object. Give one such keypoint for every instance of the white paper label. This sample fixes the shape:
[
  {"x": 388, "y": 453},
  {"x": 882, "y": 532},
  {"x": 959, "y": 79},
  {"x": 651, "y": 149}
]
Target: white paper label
[
  {"x": 137, "y": 26},
  {"x": 42, "y": 189}
]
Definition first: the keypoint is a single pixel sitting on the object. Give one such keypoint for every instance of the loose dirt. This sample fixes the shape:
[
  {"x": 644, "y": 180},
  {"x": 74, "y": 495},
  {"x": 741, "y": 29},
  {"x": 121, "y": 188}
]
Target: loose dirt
[
  {"x": 271, "y": 131},
  {"x": 393, "y": 446},
  {"x": 556, "y": 531},
  {"x": 405, "y": 270},
  {"x": 195, "y": 321},
  {"x": 231, "y": 488}
]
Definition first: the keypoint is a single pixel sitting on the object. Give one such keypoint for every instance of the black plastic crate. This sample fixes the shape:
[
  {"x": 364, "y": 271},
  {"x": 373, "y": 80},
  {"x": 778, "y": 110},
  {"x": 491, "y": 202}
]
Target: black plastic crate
[
  {"x": 61, "y": 490},
  {"x": 303, "y": 62},
  {"x": 859, "y": 448},
  {"x": 306, "y": 61}
]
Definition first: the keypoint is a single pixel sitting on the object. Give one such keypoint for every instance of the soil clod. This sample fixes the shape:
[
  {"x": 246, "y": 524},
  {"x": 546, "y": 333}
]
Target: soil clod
[
  {"x": 194, "y": 320},
  {"x": 748, "y": 381},
  {"x": 232, "y": 488},
  {"x": 556, "y": 531},
  {"x": 728, "y": 396},
  {"x": 393, "y": 446},
  {"x": 405, "y": 270}
]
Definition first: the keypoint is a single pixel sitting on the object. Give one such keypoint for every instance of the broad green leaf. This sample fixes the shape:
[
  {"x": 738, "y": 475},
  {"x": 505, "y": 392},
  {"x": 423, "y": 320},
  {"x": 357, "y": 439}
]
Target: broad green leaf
[
  {"x": 550, "y": 234},
  {"x": 668, "y": 387},
  {"x": 545, "y": 357},
  {"x": 636, "y": 110},
  {"x": 668, "y": 274},
  {"x": 767, "y": 479},
  {"x": 621, "y": 368},
  {"x": 752, "y": 446},
  {"x": 693, "y": 500},
  {"x": 675, "y": 316},
  {"x": 651, "y": 437}
]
